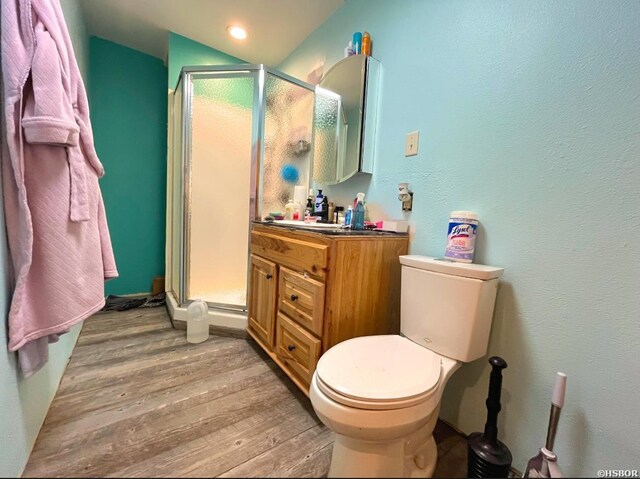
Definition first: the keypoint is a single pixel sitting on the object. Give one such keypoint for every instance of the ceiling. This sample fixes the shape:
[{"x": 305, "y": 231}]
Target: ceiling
[{"x": 276, "y": 27}]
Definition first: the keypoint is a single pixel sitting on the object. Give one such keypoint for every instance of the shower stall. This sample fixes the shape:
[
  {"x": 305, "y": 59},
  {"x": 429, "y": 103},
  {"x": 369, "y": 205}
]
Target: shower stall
[{"x": 233, "y": 130}]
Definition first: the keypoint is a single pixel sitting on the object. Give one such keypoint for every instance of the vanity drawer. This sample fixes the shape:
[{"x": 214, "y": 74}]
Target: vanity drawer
[
  {"x": 301, "y": 299},
  {"x": 293, "y": 253},
  {"x": 296, "y": 347}
]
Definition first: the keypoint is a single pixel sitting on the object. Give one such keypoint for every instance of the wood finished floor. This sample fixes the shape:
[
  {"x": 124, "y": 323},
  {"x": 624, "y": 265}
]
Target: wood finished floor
[{"x": 137, "y": 400}]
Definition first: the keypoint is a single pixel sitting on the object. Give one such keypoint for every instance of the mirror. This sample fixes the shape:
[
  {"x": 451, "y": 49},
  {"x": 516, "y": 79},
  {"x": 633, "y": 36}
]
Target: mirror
[{"x": 344, "y": 122}]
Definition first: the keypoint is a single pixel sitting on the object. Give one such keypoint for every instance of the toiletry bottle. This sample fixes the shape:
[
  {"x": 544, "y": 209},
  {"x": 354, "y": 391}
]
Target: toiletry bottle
[
  {"x": 331, "y": 212},
  {"x": 317, "y": 210},
  {"x": 357, "y": 43},
  {"x": 312, "y": 199},
  {"x": 338, "y": 217},
  {"x": 325, "y": 209},
  {"x": 308, "y": 211},
  {"x": 366, "y": 44},
  {"x": 288, "y": 210},
  {"x": 348, "y": 51},
  {"x": 358, "y": 214},
  {"x": 297, "y": 211},
  {"x": 348, "y": 216}
]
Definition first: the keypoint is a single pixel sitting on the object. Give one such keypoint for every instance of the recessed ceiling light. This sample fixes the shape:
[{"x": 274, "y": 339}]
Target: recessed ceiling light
[{"x": 237, "y": 32}]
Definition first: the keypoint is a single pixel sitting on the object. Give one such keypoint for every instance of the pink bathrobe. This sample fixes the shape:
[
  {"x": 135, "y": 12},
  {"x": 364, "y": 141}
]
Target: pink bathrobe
[{"x": 56, "y": 224}]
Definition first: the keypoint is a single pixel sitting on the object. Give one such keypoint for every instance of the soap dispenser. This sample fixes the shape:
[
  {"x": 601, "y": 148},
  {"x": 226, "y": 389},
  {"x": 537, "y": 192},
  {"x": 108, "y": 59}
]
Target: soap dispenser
[
  {"x": 325, "y": 209},
  {"x": 317, "y": 210},
  {"x": 308, "y": 211}
]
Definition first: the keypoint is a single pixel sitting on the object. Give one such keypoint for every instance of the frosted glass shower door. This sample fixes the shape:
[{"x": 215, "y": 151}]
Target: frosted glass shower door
[{"x": 219, "y": 181}]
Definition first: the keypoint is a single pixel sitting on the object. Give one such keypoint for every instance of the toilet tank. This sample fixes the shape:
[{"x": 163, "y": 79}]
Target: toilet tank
[{"x": 447, "y": 307}]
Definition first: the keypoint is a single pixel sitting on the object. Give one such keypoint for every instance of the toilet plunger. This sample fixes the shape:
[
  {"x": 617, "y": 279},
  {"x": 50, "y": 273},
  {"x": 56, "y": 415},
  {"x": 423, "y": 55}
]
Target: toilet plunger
[{"x": 488, "y": 457}]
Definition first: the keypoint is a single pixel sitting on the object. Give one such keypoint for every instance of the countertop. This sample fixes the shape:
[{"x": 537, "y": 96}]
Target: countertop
[{"x": 335, "y": 231}]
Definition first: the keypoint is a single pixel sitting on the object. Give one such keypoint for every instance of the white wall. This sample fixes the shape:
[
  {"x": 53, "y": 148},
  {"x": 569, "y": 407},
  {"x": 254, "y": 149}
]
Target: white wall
[
  {"x": 24, "y": 403},
  {"x": 528, "y": 115}
]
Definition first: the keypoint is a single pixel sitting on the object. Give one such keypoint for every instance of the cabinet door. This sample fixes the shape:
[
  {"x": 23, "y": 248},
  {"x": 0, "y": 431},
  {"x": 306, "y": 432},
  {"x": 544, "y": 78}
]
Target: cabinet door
[{"x": 262, "y": 301}]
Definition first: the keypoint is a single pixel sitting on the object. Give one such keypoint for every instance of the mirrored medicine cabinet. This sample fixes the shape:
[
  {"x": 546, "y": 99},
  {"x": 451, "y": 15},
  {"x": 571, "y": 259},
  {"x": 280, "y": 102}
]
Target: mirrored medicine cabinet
[{"x": 345, "y": 118}]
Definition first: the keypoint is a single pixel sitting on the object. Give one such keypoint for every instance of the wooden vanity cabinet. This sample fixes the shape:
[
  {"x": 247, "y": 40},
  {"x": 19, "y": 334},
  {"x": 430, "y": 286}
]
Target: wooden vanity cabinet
[{"x": 309, "y": 291}]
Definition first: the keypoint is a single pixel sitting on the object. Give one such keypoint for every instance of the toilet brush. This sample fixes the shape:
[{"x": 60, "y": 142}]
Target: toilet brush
[
  {"x": 487, "y": 456},
  {"x": 536, "y": 465}
]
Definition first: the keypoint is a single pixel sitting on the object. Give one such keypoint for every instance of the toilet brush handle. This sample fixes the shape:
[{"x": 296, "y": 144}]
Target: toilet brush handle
[
  {"x": 493, "y": 400},
  {"x": 557, "y": 401}
]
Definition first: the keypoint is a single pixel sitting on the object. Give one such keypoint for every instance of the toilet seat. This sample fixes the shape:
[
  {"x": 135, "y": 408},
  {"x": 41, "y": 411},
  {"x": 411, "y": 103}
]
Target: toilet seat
[{"x": 378, "y": 372}]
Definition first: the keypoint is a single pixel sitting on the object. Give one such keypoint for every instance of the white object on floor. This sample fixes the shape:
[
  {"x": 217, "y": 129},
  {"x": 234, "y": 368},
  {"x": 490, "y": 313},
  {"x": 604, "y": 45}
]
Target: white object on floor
[
  {"x": 216, "y": 317},
  {"x": 197, "y": 324},
  {"x": 380, "y": 395}
]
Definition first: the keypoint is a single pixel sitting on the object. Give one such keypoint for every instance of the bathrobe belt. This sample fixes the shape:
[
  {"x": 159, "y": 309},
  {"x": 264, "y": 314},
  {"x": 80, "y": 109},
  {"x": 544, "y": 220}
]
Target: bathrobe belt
[
  {"x": 78, "y": 158},
  {"x": 78, "y": 197}
]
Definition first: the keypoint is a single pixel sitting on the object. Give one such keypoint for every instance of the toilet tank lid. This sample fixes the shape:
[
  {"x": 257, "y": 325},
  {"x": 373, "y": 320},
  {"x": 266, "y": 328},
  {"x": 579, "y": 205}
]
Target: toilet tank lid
[{"x": 444, "y": 266}]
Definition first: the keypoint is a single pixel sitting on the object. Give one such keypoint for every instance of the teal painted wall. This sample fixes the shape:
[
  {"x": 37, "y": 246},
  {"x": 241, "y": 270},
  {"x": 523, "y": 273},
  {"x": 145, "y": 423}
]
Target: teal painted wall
[
  {"x": 528, "y": 114},
  {"x": 186, "y": 52},
  {"x": 129, "y": 114},
  {"x": 24, "y": 402}
]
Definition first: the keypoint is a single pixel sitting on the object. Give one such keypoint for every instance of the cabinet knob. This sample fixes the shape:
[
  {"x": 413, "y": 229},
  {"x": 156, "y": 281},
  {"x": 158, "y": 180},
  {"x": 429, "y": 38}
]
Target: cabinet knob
[
  {"x": 294, "y": 297},
  {"x": 291, "y": 347},
  {"x": 269, "y": 276}
]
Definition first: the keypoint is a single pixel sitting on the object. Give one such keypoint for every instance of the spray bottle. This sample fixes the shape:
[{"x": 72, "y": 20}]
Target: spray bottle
[{"x": 358, "y": 213}]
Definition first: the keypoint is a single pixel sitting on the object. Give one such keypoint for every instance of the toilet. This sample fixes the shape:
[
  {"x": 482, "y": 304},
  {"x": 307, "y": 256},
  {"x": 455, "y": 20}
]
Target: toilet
[{"x": 380, "y": 395}]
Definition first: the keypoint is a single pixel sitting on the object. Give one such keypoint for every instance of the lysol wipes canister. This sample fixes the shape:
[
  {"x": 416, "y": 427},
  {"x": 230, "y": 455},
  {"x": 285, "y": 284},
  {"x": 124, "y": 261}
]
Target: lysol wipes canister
[{"x": 461, "y": 237}]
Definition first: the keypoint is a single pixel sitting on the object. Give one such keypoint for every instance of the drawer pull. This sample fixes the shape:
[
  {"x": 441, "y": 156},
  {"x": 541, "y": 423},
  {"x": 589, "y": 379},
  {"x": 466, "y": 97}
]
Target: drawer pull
[
  {"x": 294, "y": 297},
  {"x": 291, "y": 347},
  {"x": 269, "y": 276}
]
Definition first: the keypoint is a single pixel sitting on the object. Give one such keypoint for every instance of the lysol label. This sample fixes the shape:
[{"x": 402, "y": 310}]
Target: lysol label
[{"x": 461, "y": 239}]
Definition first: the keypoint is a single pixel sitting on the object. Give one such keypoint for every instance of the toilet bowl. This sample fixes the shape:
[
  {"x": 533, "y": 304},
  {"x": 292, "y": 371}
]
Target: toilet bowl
[{"x": 381, "y": 397}]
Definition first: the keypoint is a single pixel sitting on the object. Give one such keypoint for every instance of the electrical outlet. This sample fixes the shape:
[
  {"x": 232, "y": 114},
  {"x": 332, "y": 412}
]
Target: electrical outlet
[{"x": 411, "y": 144}]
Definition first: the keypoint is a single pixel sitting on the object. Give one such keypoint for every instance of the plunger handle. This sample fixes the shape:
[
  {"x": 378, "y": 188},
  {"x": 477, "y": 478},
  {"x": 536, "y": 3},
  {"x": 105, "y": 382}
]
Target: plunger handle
[{"x": 493, "y": 400}]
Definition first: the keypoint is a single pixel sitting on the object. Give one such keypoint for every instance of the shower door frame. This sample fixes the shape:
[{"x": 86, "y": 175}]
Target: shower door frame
[{"x": 185, "y": 81}]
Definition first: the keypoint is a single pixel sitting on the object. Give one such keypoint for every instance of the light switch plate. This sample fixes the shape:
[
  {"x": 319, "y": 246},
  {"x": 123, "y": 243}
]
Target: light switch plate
[{"x": 411, "y": 144}]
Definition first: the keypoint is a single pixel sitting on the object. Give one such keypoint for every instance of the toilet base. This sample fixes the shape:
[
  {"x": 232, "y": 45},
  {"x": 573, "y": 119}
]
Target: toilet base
[
  {"x": 424, "y": 461},
  {"x": 415, "y": 456}
]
